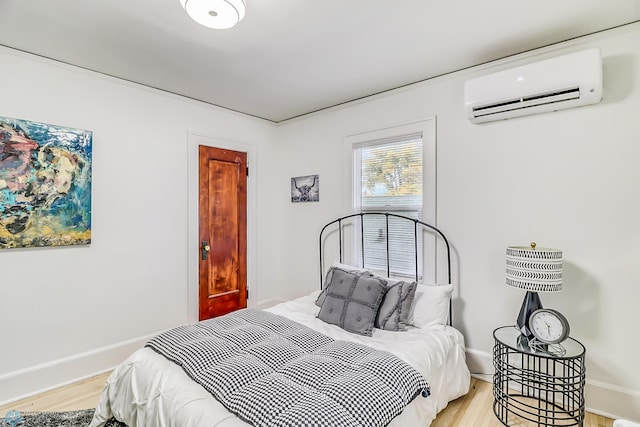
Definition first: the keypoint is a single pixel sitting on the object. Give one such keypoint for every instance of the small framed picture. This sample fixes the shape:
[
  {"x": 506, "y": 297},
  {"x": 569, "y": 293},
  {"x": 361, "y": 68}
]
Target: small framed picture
[{"x": 305, "y": 189}]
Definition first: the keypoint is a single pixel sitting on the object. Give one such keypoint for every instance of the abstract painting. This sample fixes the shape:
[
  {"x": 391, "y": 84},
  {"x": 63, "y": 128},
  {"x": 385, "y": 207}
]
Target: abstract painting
[
  {"x": 45, "y": 185},
  {"x": 305, "y": 189}
]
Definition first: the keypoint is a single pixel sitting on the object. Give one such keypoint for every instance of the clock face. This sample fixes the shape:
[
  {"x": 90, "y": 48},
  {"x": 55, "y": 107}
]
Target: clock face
[{"x": 549, "y": 326}]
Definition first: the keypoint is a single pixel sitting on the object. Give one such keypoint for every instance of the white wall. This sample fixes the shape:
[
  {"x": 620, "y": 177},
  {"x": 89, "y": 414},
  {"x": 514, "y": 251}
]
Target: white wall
[
  {"x": 69, "y": 312},
  {"x": 568, "y": 180}
]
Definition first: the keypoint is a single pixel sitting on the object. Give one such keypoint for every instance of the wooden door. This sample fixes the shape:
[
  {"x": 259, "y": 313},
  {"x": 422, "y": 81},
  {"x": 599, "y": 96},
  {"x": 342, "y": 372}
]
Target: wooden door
[{"x": 223, "y": 231}]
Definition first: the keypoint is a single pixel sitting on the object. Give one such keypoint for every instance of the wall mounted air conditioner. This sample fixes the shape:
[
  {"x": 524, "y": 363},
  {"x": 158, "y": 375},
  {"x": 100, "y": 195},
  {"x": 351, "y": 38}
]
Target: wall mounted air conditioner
[{"x": 566, "y": 81}]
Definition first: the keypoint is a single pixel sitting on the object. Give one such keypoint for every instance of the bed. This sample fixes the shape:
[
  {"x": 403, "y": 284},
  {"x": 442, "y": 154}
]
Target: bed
[{"x": 154, "y": 388}]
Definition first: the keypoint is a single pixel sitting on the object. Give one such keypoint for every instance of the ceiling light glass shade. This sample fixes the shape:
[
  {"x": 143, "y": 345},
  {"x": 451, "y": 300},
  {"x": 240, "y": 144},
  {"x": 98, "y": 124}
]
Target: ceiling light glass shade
[
  {"x": 218, "y": 14},
  {"x": 534, "y": 269}
]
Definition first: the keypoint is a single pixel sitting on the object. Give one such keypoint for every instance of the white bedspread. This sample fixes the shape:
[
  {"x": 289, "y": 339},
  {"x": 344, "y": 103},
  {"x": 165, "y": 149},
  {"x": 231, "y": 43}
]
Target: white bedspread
[{"x": 148, "y": 390}]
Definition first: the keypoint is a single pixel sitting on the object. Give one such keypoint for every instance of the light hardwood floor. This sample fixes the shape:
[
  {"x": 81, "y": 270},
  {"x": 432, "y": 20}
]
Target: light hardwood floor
[
  {"x": 83, "y": 394},
  {"x": 475, "y": 409},
  {"x": 471, "y": 410}
]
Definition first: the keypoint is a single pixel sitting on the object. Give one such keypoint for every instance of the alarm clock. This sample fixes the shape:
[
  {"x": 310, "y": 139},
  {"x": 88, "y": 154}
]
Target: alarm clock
[{"x": 549, "y": 326}]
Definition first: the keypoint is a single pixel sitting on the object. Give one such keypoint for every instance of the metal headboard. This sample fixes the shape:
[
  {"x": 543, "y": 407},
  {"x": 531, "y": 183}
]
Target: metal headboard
[{"x": 417, "y": 226}]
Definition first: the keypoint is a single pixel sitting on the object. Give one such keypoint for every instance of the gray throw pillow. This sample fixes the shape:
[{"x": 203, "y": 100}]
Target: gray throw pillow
[
  {"x": 395, "y": 309},
  {"x": 328, "y": 277},
  {"x": 352, "y": 300}
]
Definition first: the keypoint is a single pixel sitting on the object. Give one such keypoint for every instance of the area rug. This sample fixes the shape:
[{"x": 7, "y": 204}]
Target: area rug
[{"x": 55, "y": 419}]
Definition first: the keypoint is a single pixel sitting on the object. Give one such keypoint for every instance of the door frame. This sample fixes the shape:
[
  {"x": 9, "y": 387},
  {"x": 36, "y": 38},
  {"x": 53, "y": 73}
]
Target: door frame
[{"x": 193, "y": 242}]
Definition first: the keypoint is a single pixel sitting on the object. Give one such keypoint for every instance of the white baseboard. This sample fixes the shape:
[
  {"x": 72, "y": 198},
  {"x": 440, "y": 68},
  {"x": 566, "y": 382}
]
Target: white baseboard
[
  {"x": 602, "y": 398},
  {"x": 36, "y": 379},
  {"x": 612, "y": 401},
  {"x": 480, "y": 364}
]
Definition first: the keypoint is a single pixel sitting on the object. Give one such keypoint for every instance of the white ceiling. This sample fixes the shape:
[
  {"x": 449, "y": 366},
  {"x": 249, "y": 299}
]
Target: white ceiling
[{"x": 292, "y": 57}]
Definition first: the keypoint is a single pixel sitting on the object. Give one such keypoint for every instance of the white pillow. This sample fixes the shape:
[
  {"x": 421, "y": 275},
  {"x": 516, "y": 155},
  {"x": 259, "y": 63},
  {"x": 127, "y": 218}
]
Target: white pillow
[
  {"x": 350, "y": 268},
  {"x": 390, "y": 280},
  {"x": 431, "y": 305},
  {"x": 376, "y": 273}
]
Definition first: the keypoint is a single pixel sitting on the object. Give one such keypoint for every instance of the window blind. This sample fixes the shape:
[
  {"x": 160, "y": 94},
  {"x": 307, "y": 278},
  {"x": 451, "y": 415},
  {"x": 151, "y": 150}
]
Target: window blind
[{"x": 388, "y": 178}]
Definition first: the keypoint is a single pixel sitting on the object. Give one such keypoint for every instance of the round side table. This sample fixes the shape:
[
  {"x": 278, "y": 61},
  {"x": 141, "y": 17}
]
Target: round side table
[{"x": 537, "y": 386}]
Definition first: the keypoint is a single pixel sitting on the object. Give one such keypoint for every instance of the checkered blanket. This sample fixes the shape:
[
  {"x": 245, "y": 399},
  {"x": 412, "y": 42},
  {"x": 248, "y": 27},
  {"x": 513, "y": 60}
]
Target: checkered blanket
[{"x": 271, "y": 371}]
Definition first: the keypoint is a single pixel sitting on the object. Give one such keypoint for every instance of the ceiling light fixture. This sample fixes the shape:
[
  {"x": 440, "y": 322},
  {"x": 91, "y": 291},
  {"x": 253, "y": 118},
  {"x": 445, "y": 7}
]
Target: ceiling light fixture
[{"x": 218, "y": 14}]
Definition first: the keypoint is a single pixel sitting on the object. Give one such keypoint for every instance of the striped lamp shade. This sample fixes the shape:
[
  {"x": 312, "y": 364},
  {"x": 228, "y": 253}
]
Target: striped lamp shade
[{"x": 534, "y": 269}]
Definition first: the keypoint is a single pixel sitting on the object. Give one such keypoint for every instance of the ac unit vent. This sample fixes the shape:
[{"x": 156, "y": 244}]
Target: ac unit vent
[{"x": 527, "y": 102}]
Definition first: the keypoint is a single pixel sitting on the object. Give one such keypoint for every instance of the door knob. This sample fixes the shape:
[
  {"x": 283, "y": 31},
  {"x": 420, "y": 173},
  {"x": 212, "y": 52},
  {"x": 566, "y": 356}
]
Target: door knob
[{"x": 204, "y": 250}]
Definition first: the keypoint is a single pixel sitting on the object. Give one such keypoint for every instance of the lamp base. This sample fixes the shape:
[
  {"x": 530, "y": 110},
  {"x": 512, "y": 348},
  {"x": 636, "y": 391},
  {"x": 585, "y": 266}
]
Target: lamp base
[{"x": 530, "y": 304}]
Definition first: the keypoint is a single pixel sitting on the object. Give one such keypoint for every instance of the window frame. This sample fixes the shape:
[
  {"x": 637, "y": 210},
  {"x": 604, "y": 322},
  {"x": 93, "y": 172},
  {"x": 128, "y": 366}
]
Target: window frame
[{"x": 426, "y": 128}]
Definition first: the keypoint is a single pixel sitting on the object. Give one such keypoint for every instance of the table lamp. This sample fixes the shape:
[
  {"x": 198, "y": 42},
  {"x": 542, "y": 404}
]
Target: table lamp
[{"x": 534, "y": 270}]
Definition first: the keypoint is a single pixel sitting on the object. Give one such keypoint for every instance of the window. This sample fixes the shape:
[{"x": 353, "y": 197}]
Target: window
[
  {"x": 388, "y": 177},
  {"x": 393, "y": 170}
]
